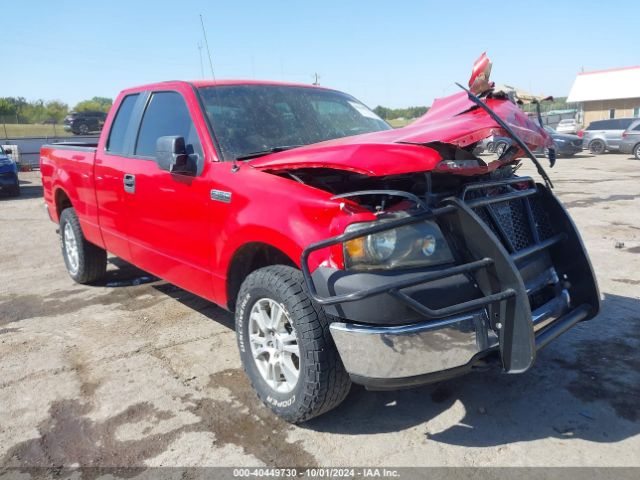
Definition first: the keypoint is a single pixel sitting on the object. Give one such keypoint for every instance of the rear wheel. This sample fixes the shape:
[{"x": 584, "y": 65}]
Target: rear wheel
[
  {"x": 500, "y": 148},
  {"x": 14, "y": 191},
  {"x": 83, "y": 129},
  {"x": 636, "y": 151},
  {"x": 597, "y": 147},
  {"x": 285, "y": 345},
  {"x": 85, "y": 261}
]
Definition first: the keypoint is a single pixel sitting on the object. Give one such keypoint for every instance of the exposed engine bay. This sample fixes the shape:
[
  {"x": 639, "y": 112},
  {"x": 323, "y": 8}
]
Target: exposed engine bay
[{"x": 428, "y": 187}]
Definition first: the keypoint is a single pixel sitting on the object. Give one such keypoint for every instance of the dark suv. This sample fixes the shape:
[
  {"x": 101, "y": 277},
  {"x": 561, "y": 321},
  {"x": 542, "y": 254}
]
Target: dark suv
[
  {"x": 605, "y": 135},
  {"x": 82, "y": 123}
]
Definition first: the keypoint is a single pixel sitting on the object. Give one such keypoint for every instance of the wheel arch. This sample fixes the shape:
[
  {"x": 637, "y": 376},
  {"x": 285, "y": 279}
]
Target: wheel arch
[
  {"x": 249, "y": 258},
  {"x": 62, "y": 200}
]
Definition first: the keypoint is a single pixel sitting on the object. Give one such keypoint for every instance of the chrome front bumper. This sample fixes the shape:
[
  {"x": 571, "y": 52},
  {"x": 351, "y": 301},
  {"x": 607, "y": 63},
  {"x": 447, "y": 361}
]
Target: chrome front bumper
[
  {"x": 389, "y": 357},
  {"x": 408, "y": 351}
]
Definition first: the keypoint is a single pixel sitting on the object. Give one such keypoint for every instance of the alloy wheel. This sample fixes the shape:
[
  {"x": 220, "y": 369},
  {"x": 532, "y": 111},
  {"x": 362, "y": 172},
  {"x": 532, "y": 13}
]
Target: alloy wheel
[
  {"x": 71, "y": 248},
  {"x": 274, "y": 345}
]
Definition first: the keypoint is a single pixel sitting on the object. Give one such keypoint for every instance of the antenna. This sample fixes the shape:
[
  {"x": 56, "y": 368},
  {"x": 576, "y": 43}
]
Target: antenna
[
  {"x": 206, "y": 42},
  {"x": 316, "y": 79},
  {"x": 201, "y": 64}
]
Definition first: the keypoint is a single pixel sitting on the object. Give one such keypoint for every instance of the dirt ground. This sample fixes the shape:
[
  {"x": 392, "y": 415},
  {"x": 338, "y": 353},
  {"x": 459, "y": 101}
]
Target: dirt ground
[{"x": 149, "y": 375}]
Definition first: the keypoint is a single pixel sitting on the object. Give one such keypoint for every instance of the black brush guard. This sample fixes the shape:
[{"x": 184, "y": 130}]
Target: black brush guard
[{"x": 492, "y": 259}]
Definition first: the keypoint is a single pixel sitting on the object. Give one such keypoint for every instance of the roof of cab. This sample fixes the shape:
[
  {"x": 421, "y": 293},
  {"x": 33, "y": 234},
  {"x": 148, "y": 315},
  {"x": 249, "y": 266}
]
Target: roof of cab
[{"x": 222, "y": 82}]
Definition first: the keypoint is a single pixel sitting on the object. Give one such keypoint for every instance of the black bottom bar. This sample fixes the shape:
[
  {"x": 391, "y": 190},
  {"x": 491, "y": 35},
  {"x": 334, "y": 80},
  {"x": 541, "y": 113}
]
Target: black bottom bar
[{"x": 561, "y": 325}]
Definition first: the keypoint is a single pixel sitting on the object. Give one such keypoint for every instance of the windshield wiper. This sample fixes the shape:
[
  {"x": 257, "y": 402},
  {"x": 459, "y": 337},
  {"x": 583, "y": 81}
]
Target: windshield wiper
[{"x": 282, "y": 148}]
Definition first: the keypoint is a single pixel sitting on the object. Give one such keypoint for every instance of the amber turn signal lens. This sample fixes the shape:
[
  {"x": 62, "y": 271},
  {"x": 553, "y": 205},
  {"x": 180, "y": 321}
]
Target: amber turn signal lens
[{"x": 355, "y": 248}]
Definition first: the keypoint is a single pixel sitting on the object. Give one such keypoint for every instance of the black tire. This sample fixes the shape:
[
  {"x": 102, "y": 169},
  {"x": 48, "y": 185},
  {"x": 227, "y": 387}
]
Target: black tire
[
  {"x": 636, "y": 151},
  {"x": 322, "y": 382},
  {"x": 490, "y": 147},
  {"x": 91, "y": 263},
  {"x": 14, "y": 191},
  {"x": 83, "y": 129},
  {"x": 597, "y": 147}
]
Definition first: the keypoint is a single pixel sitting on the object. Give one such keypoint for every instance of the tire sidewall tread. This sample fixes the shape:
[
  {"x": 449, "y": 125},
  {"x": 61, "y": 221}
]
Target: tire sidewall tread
[
  {"x": 323, "y": 382},
  {"x": 92, "y": 260}
]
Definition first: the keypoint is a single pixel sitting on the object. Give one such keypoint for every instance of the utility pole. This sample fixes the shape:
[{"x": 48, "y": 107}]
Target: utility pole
[{"x": 201, "y": 64}]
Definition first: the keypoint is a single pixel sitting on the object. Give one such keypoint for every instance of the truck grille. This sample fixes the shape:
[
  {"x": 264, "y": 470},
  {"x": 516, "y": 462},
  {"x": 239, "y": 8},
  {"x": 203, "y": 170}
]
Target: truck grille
[{"x": 510, "y": 220}]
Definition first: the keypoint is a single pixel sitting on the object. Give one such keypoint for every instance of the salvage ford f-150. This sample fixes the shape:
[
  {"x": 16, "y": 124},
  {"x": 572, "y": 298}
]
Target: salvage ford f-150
[{"x": 349, "y": 251}]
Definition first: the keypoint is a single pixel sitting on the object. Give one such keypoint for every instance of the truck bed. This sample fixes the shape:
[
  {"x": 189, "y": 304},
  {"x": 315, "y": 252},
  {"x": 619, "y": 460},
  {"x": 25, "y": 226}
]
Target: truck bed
[{"x": 67, "y": 170}]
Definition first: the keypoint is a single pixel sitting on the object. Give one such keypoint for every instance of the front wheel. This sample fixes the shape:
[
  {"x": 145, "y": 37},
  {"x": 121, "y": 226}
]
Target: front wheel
[
  {"x": 285, "y": 345},
  {"x": 597, "y": 147},
  {"x": 85, "y": 261},
  {"x": 636, "y": 152}
]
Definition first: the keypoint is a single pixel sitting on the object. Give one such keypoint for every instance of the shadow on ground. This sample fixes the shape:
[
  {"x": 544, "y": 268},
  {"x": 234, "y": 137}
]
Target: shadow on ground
[
  {"x": 125, "y": 275},
  {"x": 26, "y": 192}
]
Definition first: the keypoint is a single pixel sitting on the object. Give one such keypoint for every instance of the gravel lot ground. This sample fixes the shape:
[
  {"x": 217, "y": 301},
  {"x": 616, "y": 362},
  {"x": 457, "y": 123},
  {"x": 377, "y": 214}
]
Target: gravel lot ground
[{"x": 148, "y": 375}]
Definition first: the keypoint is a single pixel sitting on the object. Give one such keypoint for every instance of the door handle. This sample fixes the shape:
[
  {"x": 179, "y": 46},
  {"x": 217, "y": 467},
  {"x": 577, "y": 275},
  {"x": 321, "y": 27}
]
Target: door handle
[{"x": 129, "y": 183}]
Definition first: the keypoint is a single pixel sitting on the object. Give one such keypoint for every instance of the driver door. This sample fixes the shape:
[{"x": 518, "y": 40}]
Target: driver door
[{"x": 168, "y": 213}]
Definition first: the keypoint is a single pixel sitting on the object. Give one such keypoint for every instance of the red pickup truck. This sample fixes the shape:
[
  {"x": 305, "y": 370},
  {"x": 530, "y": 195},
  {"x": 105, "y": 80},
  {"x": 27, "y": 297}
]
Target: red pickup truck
[{"x": 349, "y": 251}]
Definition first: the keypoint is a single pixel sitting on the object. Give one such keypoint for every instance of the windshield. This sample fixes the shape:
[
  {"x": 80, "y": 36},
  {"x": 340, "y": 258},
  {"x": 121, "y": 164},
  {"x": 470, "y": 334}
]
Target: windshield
[
  {"x": 549, "y": 129},
  {"x": 261, "y": 118}
]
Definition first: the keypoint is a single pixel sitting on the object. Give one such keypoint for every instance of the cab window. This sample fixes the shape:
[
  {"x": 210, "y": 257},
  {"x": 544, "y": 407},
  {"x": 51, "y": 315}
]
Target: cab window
[
  {"x": 121, "y": 125},
  {"x": 166, "y": 115}
]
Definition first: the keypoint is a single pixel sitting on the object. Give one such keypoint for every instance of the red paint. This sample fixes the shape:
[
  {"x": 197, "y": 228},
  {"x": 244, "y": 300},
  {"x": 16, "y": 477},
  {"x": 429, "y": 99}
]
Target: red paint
[{"x": 171, "y": 227}]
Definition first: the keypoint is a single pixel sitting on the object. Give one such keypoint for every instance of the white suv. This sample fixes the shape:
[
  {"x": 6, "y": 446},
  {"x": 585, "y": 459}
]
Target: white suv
[{"x": 568, "y": 125}]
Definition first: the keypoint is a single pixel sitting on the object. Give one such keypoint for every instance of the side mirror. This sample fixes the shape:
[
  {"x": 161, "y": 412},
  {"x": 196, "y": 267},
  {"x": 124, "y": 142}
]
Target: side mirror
[{"x": 171, "y": 155}]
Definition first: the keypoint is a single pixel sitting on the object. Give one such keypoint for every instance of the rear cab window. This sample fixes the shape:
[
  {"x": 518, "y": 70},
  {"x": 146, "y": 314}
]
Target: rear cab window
[{"x": 116, "y": 142}]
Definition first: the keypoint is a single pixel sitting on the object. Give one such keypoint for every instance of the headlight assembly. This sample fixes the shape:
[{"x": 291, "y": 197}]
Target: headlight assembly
[{"x": 415, "y": 245}]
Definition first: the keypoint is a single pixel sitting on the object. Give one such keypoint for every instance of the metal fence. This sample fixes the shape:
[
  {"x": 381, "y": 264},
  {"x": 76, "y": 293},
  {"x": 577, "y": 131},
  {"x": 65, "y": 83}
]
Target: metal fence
[{"x": 29, "y": 147}]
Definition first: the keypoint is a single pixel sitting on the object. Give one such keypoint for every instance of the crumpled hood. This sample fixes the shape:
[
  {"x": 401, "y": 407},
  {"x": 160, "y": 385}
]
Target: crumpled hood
[{"x": 455, "y": 120}]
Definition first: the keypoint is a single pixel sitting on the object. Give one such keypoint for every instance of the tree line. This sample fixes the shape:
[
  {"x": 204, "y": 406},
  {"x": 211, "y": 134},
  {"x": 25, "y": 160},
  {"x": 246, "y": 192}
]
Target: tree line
[
  {"x": 394, "y": 113},
  {"x": 20, "y": 110}
]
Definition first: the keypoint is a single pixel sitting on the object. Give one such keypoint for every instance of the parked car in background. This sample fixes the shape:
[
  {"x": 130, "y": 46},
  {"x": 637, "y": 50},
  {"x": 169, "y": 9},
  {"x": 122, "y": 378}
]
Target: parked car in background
[
  {"x": 605, "y": 135},
  {"x": 9, "y": 182},
  {"x": 568, "y": 125},
  {"x": 566, "y": 145},
  {"x": 630, "y": 142},
  {"x": 493, "y": 144},
  {"x": 82, "y": 123}
]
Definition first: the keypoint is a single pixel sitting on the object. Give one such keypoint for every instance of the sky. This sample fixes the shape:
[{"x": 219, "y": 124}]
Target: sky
[{"x": 391, "y": 53}]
